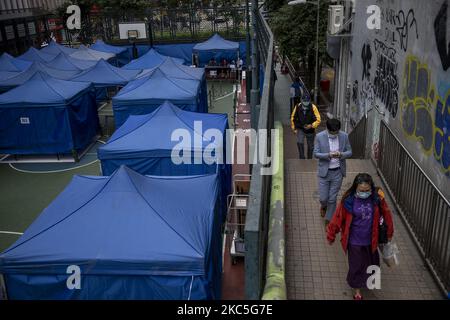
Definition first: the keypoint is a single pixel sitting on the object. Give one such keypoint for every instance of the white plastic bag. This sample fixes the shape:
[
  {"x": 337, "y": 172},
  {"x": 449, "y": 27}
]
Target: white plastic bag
[{"x": 389, "y": 254}]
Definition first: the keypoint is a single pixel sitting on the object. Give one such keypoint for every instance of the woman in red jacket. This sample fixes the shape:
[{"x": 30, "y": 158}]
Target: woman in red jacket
[{"x": 358, "y": 218}]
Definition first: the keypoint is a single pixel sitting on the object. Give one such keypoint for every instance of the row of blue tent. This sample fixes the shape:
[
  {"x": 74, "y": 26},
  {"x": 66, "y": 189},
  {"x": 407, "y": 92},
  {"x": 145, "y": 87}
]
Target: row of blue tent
[
  {"x": 126, "y": 234},
  {"x": 163, "y": 79}
]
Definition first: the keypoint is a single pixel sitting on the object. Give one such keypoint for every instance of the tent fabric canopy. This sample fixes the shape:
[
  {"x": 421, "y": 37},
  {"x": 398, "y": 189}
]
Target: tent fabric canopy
[
  {"x": 47, "y": 116},
  {"x": 54, "y": 48},
  {"x": 173, "y": 69},
  {"x": 24, "y": 76},
  {"x": 100, "y": 45},
  {"x": 144, "y": 95},
  {"x": 135, "y": 144},
  {"x": 216, "y": 43},
  {"x": 118, "y": 228},
  {"x": 10, "y": 64},
  {"x": 62, "y": 62},
  {"x": 33, "y": 54},
  {"x": 8, "y": 74},
  {"x": 85, "y": 53},
  {"x": 216, "y": 48},
  {"x": 41, "y": 89},
  {"x": 149, "y": 60},
  {"x": 103, "y": 74},
  {"x": 66, "y": 62},
  {"x": 132, "y": 138}
]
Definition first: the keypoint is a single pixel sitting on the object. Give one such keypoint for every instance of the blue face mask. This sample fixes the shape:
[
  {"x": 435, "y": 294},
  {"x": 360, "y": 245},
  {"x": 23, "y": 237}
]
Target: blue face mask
[{"x": 363, "y": 195}]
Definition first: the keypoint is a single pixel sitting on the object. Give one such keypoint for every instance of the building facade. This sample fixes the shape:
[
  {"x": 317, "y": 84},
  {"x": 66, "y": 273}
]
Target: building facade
[{"x": 26, "y": 23}]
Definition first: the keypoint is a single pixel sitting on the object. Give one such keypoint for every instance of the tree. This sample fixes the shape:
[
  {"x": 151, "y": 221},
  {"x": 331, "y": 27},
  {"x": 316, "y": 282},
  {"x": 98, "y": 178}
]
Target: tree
[{"x": 294, "y": 28}]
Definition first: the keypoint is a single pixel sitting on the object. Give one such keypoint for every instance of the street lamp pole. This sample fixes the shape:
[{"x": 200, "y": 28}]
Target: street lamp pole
[{"x": 316, "y": 89}]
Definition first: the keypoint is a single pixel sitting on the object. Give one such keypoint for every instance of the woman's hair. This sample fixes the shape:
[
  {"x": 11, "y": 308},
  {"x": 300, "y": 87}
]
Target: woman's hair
[{"x": 360, "y": 179}]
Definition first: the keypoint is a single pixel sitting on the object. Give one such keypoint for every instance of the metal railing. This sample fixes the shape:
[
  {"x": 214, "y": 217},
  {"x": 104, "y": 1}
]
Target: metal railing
[
  {"x": 357, "y": 139},
  {"x": 423, "y": 207},
  {"x": 256, "y": 225}
]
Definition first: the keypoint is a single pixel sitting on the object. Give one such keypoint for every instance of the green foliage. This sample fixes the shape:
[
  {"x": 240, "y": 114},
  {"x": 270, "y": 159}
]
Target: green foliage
[{"x": 294, "y": 29}]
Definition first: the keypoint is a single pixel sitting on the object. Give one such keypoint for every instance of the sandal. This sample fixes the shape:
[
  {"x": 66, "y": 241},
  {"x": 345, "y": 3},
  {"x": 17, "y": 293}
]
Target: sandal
[{"x": 323, "y": 211}]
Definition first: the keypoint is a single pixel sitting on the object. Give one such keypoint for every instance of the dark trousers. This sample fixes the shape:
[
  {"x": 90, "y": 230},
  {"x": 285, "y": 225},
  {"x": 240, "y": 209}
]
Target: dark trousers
[{"x": 301, "y": 143}]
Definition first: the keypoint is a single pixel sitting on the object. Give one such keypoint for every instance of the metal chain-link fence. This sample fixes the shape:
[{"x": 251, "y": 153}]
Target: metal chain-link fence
[{"x": 168, "y": 25}]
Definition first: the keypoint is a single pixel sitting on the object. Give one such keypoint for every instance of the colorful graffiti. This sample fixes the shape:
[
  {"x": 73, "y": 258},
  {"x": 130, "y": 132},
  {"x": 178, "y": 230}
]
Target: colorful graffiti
[
  {"x": 386, "y": 80},
  {"x": 419, "y": 100}
]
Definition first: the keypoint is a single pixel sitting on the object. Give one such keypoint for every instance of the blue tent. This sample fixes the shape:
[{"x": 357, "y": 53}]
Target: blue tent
[
  {"x": 99, "y": 45},
  {"x": 47, "y": 116},
  {"x": 62, "y": 62},
  {"x": 149, "y": 60},
  {"x": 128, "y": 238},
  {"x": 65, "y": 62},
  {"x": 10, "y": 64},
  {"x": 54, "y": 48},
  {"x": 8, "y": 74},
  {"x": 144, "y": 95},
  {"x": 103, "y": 76},
  {"x": 24, "y": 76},
  {"x": 34, "y": 54},
  {"x": 85, "y": 53},
  {"x": 218, "y": 48},
  {"x": 172, "y": 69},
  {"x": 144, "y": 144},
  {"x": 179, "y": 50}
]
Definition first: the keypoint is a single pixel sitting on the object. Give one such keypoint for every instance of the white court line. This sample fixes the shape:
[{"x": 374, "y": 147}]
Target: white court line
[
  {"x": 61, "y": 170},
  {"x": 54, "y": 171},
  {"x": 11, "y": 232},
  {"x": 223, "y": 97}
]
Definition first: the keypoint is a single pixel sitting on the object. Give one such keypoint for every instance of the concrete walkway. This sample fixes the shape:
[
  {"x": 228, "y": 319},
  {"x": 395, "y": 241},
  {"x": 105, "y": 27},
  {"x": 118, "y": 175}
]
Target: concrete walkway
[{"x": 316, "y": 270}]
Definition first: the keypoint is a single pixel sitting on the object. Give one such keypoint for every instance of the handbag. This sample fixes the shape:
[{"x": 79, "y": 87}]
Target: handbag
[{"x": 382, "y": 230}]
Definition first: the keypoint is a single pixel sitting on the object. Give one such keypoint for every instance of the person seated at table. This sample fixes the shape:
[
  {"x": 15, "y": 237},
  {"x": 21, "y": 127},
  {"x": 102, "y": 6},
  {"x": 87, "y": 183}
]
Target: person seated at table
[
  {"x": 212, "y": 62},
  {"x": 224, "y": 62}
]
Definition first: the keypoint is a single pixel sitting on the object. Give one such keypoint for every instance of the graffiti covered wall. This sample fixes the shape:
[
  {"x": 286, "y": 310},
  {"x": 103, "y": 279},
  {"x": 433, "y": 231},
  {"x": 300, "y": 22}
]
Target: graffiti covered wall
[{"x": 401, "y": 73}]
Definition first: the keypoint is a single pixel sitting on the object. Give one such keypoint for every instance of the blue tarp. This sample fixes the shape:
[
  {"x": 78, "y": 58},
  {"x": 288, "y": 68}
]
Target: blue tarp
[
  {"x": 129, "y": 238},
  {"x": 144, "y": 95},
  {"x": 34, "y": 54},
  {"x": 54, "y": 48},
  {"x": 99, "y": 45},
  {"x": 85, "y": 53},
  {"x": 8, "y": 74},
  {"x": 103, "y": 75},
  {"x": 181, "y": 51},
  {"x": 47, "y": 116},
  {"x": 24, "y": 76},
  {"x": 144, "y": 143},
  {"x": 172, "y": 69},
  {"x": 62, "y": 62},
  {"x": 218, "y": 48},
  {"x": 121, "y": 53},
  {"x": 65, "y": 62},
  {"x": 10, "y": 64},
  {"x": 149, "y": 60}
]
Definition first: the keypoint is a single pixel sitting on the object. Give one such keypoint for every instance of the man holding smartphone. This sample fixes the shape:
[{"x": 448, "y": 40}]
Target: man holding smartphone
[{"x": 331, "y": 147}]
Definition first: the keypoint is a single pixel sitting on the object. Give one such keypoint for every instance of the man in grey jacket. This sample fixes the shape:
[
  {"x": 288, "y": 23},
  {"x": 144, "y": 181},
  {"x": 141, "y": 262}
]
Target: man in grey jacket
[{"x": 331, "y": 147}]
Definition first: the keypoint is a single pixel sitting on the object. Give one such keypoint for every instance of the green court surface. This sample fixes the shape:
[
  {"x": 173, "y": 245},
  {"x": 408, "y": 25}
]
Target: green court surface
[{"x": 27, "y": 189}]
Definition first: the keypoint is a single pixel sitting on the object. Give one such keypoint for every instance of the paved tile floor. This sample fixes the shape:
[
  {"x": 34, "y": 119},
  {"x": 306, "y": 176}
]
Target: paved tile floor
[{"x": 316, "y": 270}]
